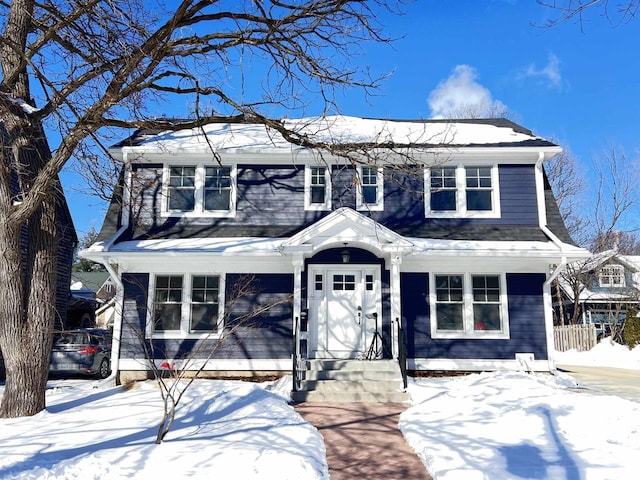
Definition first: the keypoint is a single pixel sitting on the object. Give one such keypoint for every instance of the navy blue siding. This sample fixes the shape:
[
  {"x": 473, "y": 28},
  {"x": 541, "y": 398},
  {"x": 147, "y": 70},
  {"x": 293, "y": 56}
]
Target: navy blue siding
[
  {"x": 267, "y": 335},
  {"x": 270, "y": 202},
  {"x": 134, "y": 315},
  {"x": 518, "y": 201},
  {"x": 526, "y": 322}
]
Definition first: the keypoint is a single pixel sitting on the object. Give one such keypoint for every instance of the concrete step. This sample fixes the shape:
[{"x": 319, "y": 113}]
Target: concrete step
[
  {"x": 343, "y": 381},
  {"x": 349, "y": 397},
  {"x": 350, "y": 365},
  {"x": 352, "y": 375},
  {"x": 351, "y": 386}
]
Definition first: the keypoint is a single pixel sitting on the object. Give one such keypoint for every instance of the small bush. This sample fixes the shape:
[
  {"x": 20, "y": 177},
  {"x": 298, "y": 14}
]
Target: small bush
[{"x": 631, "y": 332}]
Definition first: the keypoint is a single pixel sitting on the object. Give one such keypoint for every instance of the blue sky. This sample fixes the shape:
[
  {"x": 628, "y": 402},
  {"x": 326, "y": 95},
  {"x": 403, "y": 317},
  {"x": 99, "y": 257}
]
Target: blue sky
[{"x": 576, "y": 84}]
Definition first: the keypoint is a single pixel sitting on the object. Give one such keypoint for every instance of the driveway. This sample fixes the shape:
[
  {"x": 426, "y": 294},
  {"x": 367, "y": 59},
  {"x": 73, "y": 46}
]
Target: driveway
[{"x": 606, "y": 380}]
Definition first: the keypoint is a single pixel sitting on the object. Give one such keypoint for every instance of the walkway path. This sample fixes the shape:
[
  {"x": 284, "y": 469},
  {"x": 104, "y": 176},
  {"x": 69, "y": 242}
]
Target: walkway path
[
  {"x": 606, "y": 380},
  {"x": 363, "y": 441}
]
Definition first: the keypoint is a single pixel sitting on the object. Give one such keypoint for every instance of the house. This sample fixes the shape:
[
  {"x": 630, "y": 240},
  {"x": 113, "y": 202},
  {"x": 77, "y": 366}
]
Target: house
[
  {"x": 91, "y": 302},
  {"x": 66, "y": 238},
  {"x": 599, "y": 289},
  {"x": 445, "y": 233}
]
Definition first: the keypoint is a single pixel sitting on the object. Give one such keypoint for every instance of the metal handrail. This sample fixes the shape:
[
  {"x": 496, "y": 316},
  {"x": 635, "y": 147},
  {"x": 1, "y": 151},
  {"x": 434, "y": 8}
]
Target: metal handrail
[
  {"x": 402, "y": 352},
  {"x": 299, "y": 367}
]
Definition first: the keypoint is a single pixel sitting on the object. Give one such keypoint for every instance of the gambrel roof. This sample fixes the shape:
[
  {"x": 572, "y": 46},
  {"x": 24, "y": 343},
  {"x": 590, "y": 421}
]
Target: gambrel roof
[{"x": 256, "y": 138}]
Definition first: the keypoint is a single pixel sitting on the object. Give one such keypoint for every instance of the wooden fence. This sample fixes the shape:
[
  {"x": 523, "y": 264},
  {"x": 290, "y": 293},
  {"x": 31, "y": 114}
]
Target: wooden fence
[{"x": 578, "y": 337}]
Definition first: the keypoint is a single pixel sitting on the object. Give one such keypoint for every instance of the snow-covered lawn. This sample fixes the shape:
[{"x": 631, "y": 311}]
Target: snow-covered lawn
[
  {"x": 483, "y": 426},
  {"x": 224, "y": 429}
]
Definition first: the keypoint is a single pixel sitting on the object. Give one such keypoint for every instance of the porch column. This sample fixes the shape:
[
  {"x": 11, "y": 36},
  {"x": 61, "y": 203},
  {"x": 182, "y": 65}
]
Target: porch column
[
  {"x": 298, "y": 265},
  {"x": 396, "y": 311}
]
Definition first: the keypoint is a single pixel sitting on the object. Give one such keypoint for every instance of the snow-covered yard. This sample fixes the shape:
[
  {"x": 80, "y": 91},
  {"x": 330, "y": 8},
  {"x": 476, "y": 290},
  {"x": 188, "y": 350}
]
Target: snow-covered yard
[{"x": 484, "y": 426}]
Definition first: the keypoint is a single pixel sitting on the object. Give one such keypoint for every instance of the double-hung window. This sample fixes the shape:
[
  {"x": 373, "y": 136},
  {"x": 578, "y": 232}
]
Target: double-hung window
[
  {"x": 468, "y": 306},
  {"x": 462, "y": 191},
  {"x": 612, "y": 276},
  {"x": 370, "y": 195},
  {"x": 317, "y": 195},
  {"x": 182, "y": 189},
  {"x": 186, "y": 305},
  {"x": 199, "y": 190}
]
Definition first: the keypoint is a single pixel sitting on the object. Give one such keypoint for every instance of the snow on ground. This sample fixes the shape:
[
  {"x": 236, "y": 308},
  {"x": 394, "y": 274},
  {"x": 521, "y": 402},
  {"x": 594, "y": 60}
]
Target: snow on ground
[
  {"x": 482, "y": 426},
  {"x": 223, "y": 430},
  {"x": 607, "y": 353},
  {"x": 520, "y": 426}
]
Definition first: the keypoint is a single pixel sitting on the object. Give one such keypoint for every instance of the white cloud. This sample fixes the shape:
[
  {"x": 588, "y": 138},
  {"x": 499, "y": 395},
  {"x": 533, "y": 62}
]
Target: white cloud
[
  {"x": 549, "y": 74},
  {"x": 461, "y": 95}
]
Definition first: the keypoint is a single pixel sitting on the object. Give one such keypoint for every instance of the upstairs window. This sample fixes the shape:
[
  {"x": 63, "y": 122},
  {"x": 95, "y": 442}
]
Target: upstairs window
[
  {"x": 198, "y": 190},
  {"x": 217, "y": 188},
  {"x": 462, "y": 191},
  {"x": 182, "y": 308},
  {"x": 317, "y": 188},
  {"x": 468, "y": 306},
  {"x": 443, "y": 189},
  {"x": 182, "y": 189},
  {"x": 370, "y": 194},
  {"x": 478, "y": 189},
  {"x": 612, "y": 276}
]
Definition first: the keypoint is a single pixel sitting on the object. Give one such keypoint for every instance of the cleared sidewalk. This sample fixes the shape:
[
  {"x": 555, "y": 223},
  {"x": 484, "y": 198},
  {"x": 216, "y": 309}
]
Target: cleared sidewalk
[{"x": 363, "y": 441}]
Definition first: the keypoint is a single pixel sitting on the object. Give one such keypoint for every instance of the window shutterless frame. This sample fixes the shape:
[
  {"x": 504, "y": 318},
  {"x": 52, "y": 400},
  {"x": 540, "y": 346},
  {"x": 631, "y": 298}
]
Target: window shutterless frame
[
  {"x": 317, "y": 187},
  {"x": 462, "y": 191},
  {"x": 468, "y": 305},
  {"x": 185, "y": 305},
  {"x": 370, "y": 191},
  {"x": 199, "y": 190}
]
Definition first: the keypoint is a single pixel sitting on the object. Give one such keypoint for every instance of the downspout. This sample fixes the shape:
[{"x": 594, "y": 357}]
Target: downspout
[
  {"x": 117, "y": 326},
  {"x": 117, "y": 320},
  {"x": 546, "y": 286}
]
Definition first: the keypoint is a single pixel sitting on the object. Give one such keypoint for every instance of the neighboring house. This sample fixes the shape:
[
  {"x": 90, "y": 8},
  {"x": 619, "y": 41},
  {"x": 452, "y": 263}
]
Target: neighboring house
[
  {"x": 66, "y": 238},
  {"x": 455, "y": 237},
  {"x": 91, "y": 300},
  {"x": 605, "y": 285}
]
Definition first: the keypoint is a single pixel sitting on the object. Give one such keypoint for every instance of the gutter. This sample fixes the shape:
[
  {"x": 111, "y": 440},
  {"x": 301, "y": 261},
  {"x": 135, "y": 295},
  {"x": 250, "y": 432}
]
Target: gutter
[
  {"x": 546, "y": 286},
  {"x": 119, "y": 297},
  {"x": 117, "y": 327}
]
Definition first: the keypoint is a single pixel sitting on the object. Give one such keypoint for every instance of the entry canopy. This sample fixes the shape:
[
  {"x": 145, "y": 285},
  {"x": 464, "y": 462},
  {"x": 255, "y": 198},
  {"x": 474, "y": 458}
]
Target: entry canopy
[{"x": 346, "y": 226}]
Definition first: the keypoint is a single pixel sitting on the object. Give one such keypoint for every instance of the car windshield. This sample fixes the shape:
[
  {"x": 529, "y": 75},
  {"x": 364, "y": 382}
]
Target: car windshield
[{"x": 69, "y": 338}]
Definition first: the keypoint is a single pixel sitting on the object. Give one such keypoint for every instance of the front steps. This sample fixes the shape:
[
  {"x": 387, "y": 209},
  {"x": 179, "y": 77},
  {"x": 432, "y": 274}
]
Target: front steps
[{"x": 344, "y": 381}]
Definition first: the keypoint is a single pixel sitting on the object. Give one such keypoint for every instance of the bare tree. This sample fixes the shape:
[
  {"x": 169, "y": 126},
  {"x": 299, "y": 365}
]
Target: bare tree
[
  {"x": 616, "y": 12},
  {"x": 568, "y": 186},
  {"x": 83, "y": 67},
  {"x": 615, "y": 199},
  {"x": 174, "y": 376}
]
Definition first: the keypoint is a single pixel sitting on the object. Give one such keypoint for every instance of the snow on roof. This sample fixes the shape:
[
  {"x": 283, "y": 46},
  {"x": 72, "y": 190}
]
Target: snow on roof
[
  {"x": 256, "y": 138},
  {"x": 272, "y": 246}
]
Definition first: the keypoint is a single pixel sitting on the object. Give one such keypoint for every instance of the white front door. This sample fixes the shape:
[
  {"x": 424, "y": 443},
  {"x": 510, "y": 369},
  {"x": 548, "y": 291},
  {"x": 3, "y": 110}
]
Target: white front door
[{"x": 342, "y": 304}]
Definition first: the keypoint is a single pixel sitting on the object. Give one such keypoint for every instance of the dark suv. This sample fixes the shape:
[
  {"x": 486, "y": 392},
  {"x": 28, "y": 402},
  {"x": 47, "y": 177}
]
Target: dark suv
[{"x": 86, "y": 351}]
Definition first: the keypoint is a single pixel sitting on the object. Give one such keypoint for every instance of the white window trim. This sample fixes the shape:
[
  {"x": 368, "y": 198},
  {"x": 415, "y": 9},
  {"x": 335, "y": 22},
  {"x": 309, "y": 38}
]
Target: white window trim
[
  {"x": 467, "y": 309},
  {"x": 461, "y": 194},
  {"x": 199, "y": 210},
  {"x": 620, "y": 271},
  {"x": 371, "y": 207},
  {"x": 187, "y": 283},
  {"x": 307, "y": 189}
]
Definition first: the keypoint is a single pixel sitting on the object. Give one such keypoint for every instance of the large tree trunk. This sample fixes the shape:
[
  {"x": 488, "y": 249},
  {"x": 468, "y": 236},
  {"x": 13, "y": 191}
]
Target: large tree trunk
[
  {"x": 28, "y": 243},
  {"x": 27, "y": 272}
]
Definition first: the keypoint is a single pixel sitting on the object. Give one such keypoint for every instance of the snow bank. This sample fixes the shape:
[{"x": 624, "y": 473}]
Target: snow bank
[{"x": 607, "y": 353}]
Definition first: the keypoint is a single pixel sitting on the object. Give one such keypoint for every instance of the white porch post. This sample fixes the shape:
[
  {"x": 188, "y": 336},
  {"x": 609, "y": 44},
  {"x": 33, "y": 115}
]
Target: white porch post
[
  {"x": 396, "y": 311},
  {"x": 298, "y": 264}
]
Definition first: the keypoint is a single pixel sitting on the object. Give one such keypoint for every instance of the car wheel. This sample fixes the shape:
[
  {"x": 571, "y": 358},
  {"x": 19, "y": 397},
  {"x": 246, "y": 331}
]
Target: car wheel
[{"x": 103, "y": 370}]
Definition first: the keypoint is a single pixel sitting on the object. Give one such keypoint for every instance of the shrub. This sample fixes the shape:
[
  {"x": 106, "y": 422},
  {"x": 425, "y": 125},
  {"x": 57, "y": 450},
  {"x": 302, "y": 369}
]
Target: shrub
[{"x": 631, "y": 332}]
